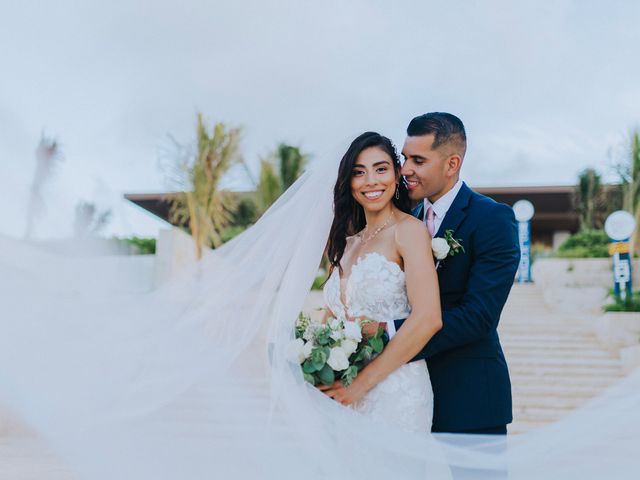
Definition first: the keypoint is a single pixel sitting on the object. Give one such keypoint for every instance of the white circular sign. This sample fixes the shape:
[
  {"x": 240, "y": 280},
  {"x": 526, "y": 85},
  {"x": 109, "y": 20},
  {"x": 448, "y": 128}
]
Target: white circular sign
[
  {"x": 523, "y": 209},
  {"x": 619, "y": 225}
]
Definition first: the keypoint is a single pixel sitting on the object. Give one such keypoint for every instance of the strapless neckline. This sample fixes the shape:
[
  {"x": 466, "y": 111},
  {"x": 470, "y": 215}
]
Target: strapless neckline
[{"x": 371, "y": 272}]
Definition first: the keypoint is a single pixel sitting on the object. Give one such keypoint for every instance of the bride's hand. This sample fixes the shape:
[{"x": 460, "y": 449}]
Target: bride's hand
[{"x": 345, "y": 395}]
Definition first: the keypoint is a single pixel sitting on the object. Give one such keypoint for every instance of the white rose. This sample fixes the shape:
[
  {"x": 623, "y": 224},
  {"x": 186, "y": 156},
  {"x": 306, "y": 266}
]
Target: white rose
[
  {"x": 352, "y": 331},
  {"x": 440, "y": 248},
  {"x": 295, "y": 351},
  {"x": 337, "y": 335},
  {"x": 348, "y": 347},
  {"x": 334, "y": 324},
  {"x": 306, "y": 350},
  {"x": 337, "y": 359}
]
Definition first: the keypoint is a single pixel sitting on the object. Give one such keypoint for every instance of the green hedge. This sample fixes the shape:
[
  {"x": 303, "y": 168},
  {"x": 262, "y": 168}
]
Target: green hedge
[
  {"x": 585, "y": 244},
  {"x": 138, "y": 245},
  {"x": 230, "y": 233},
  {"x": 629, "y": 305}
]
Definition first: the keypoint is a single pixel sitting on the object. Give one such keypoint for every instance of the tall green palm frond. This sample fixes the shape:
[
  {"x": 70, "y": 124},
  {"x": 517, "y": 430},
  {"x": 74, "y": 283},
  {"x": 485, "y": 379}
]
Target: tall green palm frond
[
  {"x": 589, "y": 196},
  {"x": 278, "y": 172},
  {"x": 202, "y": 206},
  {"x": 634, "y": 188},
  {"x": 292, "y": 163},
  {"x": 269, "y": 185}
]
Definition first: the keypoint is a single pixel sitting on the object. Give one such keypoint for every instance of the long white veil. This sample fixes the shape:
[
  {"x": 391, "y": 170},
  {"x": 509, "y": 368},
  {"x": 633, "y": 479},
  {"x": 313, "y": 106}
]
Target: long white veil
[{"x": 191, "y": 381}]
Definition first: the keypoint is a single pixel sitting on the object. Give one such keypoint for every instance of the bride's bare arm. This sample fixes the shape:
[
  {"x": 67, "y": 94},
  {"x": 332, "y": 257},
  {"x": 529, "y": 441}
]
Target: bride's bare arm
[{"x": 414, "y": 245}]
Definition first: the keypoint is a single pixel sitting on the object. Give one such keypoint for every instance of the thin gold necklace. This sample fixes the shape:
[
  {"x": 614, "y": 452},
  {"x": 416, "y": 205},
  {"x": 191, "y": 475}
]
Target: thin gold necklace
[{"x": 378, "y": 230}]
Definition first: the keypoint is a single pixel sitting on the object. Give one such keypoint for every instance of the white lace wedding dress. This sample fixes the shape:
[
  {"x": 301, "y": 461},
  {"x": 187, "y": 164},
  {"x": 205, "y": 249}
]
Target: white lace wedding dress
[{"x": 376, "y": 289}]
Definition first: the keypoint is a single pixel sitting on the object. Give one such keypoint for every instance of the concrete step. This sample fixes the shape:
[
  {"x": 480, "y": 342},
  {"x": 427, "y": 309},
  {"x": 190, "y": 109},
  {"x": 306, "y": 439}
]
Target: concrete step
[
  {"x": 552, "y": 330},
  {"x": 554, "y": 342},
  {"x": 593, "y": 364},
  {"x": 541, "y": 413},
  {"x": 524, "y": 403},
  {"x": 564, "y": 389},
  {"x": 522, "y": 426},
  {"x": 516, "y": 352}
]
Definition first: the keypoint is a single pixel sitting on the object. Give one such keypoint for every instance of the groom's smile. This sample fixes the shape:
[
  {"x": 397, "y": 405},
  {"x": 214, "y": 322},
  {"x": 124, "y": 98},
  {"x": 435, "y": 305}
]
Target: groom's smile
[
  {"x": 427, "y": 171},
  {"x": 411, "y": 184}
]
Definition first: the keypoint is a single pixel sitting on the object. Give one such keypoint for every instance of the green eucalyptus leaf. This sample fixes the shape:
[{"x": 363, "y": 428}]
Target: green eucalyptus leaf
[
  {"x": 376, "y": 344},
  {"x": 327, "y": 375},
  {"x": 318, "y": 358},
  {"x": 348, "y": 375},
  {"x": 308, "y": 366}
]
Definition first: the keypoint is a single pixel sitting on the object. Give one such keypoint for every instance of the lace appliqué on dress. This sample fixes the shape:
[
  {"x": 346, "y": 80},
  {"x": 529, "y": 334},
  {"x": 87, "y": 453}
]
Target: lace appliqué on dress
[{"x": 376, "y": 289}]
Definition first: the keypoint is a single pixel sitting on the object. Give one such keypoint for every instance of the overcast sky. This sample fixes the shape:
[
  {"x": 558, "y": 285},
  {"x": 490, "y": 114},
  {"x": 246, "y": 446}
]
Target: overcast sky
[{"x": 545, "y": 88}]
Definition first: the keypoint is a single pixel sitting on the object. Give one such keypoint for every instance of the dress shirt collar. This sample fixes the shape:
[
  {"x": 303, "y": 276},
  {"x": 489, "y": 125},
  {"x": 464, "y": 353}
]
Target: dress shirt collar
[{"x": 443, "y": 204}]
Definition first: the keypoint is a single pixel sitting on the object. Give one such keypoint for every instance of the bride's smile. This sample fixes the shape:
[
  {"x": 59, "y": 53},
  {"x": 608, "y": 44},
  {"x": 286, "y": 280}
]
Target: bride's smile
[{"x": 373, "y": 180}]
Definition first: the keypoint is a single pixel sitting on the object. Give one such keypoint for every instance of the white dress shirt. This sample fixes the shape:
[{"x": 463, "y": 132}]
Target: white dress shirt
[
  {"x": 440, "y": 209},
  {"x": 442, "y": 205}
]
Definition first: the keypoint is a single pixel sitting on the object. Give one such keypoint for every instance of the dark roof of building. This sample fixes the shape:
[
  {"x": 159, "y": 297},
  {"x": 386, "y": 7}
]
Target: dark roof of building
[
  {"x": 553, "y": 204},
  {"x": 159, "y": 204}
]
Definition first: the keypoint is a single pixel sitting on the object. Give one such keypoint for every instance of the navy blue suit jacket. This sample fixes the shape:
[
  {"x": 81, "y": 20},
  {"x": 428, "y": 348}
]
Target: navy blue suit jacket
[{"x": 469, "y": 374}]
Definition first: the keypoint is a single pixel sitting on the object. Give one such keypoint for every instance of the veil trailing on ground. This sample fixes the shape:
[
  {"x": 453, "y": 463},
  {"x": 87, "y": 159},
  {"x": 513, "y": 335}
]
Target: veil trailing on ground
[{"x": 192, "y": 380}]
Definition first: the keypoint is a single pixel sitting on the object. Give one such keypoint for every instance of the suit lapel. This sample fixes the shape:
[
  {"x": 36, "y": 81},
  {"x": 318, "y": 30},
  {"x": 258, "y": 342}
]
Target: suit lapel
[
  {"x": 418, "y": 211},
  {"x": 456, "y": 213}
]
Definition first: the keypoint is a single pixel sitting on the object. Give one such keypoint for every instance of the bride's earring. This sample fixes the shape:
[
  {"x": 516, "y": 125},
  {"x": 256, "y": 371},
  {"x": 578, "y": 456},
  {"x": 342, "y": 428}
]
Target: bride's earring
[{"x": 397, "y": 191}]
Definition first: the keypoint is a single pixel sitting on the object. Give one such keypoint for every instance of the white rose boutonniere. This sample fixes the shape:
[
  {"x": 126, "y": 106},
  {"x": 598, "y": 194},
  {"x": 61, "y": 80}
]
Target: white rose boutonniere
[
  {"x": 445, "y": 247},
  {"x": 440, "y": 248}
]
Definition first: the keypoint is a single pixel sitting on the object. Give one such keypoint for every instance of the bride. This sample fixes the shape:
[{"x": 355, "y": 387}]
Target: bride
[
  {"x": 193, "y": 380},
  {"x": 382, "y": 269}
]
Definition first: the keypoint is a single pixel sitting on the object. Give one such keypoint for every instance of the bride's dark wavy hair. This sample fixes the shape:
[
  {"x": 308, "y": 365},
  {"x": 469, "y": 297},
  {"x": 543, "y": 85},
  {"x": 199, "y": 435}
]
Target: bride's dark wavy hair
[{"x": 349, "y": 216}]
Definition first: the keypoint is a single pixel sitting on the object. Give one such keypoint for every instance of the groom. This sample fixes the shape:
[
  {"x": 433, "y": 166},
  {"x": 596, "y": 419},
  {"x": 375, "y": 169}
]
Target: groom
[{"x": 469, "y": 374}]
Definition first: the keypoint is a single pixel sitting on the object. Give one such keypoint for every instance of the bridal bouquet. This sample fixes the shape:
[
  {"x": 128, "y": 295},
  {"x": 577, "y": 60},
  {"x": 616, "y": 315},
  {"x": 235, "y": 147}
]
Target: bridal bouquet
[{"x": 333, "y": 350}]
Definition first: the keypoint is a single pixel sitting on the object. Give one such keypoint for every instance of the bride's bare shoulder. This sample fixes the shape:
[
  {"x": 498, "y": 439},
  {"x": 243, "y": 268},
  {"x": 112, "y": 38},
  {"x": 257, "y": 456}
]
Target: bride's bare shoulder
[
  {"x": 404, "y": 218},
  {"x": 410, "y": 230}
]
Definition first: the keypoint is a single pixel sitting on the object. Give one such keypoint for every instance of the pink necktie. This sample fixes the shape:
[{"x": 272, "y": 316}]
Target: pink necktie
[{"x": 431, "y": 226}]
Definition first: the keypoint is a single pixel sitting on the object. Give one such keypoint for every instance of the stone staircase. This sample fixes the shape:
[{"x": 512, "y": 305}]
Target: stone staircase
[{"x": 555, "y": 360}]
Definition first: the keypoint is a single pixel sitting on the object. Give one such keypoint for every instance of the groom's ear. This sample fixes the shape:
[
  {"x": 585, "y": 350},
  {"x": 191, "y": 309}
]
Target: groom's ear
[{"x": 454, "y": 163}]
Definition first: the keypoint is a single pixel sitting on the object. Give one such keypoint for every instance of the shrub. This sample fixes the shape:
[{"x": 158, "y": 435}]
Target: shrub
[
  {"x": 631, "y": 304},
  {"x": 246, "y": 213},
  {"x": 585, "y": 244},
  {"x": 230, "y": 233},
  {"x": 140, "y": 246},
  {"x": 540, "y": 250}
]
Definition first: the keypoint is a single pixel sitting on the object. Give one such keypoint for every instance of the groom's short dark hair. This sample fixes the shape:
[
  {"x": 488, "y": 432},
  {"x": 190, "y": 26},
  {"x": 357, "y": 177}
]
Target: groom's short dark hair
[{"x": 445, "y": 127}]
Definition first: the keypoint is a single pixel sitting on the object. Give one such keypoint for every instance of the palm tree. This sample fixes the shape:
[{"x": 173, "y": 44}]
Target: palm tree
[
  {"x": 48, "y": 154},
  {"x": 629, "y": 170},
  {"x": 88, "y": 220},
  {"x": 289, "y": 162},
  {"x": 202, "y": 206},
  {"x": 589, "y": 197}
]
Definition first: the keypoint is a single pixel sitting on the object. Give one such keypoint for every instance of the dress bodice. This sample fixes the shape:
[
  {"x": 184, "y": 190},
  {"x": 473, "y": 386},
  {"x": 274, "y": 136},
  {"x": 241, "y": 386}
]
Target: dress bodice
[{"x": 375, "y": 289}]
